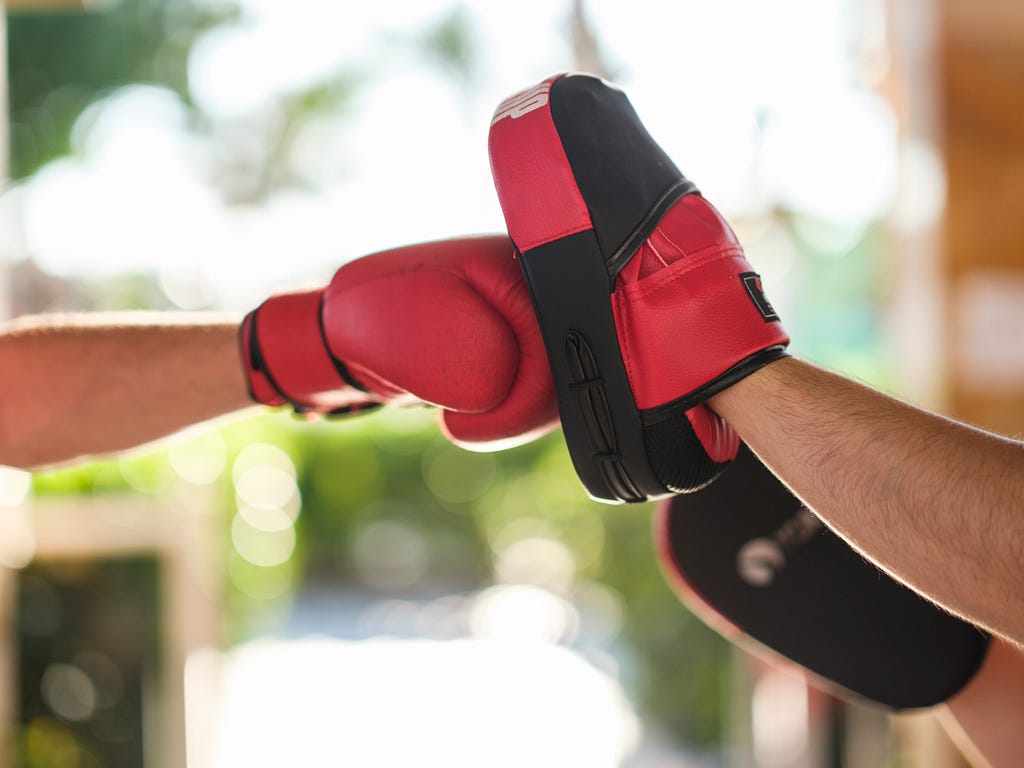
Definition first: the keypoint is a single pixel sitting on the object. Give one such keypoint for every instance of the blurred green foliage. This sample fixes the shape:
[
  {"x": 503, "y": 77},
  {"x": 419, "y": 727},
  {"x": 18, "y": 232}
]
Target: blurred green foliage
[
  {"x": 395, "y": 467},
  {"x": 59, "y": 62},
  {"x": 451, "y": 44}
]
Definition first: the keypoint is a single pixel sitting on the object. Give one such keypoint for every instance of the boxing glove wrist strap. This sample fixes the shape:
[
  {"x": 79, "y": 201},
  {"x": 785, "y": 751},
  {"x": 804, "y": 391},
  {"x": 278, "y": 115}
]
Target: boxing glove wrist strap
[
  {"x": 288, "y": 361},
  {"x": 737, "y": 373}
]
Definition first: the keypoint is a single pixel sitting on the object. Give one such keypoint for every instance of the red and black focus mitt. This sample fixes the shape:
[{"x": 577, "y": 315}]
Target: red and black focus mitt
[
  {"x": 448, "y": 323},
  {"x": 749, "y": 559},
  {"x": 646, "y": 301}
]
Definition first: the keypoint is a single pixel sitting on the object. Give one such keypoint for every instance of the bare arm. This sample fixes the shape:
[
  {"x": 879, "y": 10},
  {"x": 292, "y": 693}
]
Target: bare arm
[
  {"x": 76, "y": 385},
  {"x": 936, "y": 503}
]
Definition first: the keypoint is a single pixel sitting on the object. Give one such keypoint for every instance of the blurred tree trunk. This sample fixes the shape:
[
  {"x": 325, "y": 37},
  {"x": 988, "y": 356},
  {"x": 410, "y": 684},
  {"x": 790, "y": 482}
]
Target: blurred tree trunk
[{"x": 586, "y": 51}]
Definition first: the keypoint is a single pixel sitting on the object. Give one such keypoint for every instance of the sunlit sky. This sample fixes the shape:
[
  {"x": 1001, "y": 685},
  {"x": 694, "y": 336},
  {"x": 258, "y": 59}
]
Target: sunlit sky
[{"x": 759, "y": 112}]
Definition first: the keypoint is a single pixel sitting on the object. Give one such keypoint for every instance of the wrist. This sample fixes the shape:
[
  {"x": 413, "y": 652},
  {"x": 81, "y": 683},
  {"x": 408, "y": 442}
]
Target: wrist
[{"x": 729, "y": 401}]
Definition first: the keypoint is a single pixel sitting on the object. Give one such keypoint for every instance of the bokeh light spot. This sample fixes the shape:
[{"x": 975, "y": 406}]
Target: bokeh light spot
[
  {"x": 522, "y": 614},
  {"x": 540, "y": 561},
  {"x": 15, "y": 485},
  {"x": 263, "y": 548},
  {"x": 258, "y": 582},
  {"x": 201, "y": 459},
  {"x": 261, "y": 454},
  {"x": 458, "y": 476},
  {"x": 266, "y": 487},
  {"x": 389, "y": 554},
  {"x": 17, "y": 538},
  {"x": 68, "y": 692}
]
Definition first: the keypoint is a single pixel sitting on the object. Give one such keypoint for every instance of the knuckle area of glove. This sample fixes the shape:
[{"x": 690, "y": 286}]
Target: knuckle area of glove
[{"x": 427, "y": 332}]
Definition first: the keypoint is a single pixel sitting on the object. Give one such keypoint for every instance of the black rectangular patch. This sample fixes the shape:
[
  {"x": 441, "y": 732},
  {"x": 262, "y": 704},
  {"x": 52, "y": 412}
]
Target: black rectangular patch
[{"x": 752, "y": 282}]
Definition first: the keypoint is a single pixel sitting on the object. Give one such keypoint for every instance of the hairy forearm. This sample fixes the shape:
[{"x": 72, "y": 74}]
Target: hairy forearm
[
  {"x": 936, "y": 503},
  {"x": 78, "y": 385}
]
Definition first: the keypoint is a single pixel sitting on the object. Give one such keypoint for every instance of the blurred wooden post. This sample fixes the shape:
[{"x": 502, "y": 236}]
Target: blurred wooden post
[
  {"x": 957, "y": 281},
  {"x": 8, "y": 662},
  {"x": 8, "y": 651},
  {"x": 915, "y": 314},
  {"x": 182, "y": 533},
  {"x": 5, "y": 149},
  {"x": 981, "y": 72}
]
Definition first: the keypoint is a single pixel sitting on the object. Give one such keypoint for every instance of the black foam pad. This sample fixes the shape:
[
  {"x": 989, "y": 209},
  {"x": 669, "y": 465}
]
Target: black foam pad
[{"x": 751, "y": 560}]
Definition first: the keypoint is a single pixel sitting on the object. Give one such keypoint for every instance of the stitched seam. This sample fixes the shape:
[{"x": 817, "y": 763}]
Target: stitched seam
[
  {"x": 650, "y": 244},
  {"x": 558, "y": 235},
  {"x": 690, "y": 264},
  {"x": 644, "y": 291},
  {"x": 414, "y": 269},
  {"x": 627, "y": 355},
  {"x": 674, "y": 243}
]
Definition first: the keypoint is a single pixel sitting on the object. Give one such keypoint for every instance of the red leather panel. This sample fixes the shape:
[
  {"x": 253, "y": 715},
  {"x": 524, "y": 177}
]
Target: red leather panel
[
  {"x": 524, "y": 147},
  {"x": 681, "y": 310},
  {"x": 260, "y": 388},
  {"x": 720, "y": 441}
]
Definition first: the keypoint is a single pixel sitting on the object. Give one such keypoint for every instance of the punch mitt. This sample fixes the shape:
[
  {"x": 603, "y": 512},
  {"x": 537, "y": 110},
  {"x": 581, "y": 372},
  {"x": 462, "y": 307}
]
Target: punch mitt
[
  {"x": 646, "y": 301},
  {"x": 750, "y": 560},
  {"x": 447, "y": 323}
]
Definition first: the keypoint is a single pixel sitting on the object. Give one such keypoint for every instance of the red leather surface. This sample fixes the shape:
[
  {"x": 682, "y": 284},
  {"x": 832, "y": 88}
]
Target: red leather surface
[
  {"x": 681, "y": 310},
  {"x": 448, "y": 323},
  {"x": 524, "y": 147},
  {"x": 260, "y": 388},
  {"x": 288, "y": 329},
  {"x": 720, "y": 441}
]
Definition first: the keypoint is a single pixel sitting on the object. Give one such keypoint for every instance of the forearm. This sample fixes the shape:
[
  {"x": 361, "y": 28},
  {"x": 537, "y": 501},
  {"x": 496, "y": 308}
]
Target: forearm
[
  {"x": 88, "y": 384},
  {"x": 936, "y": 503}
]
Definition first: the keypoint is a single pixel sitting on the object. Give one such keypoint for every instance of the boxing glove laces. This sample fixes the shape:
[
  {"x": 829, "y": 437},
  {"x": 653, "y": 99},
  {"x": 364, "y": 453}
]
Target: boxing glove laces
[
  {"x": 447, "y": 323},
  {"x": 645, "y": 299}
]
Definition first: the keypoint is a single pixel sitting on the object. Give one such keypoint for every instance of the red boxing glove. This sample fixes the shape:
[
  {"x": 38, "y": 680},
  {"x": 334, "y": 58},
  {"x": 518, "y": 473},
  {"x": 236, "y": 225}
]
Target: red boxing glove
[
  {"x": 447, "y": 323},
  {"x": 647, "y": 304}
]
